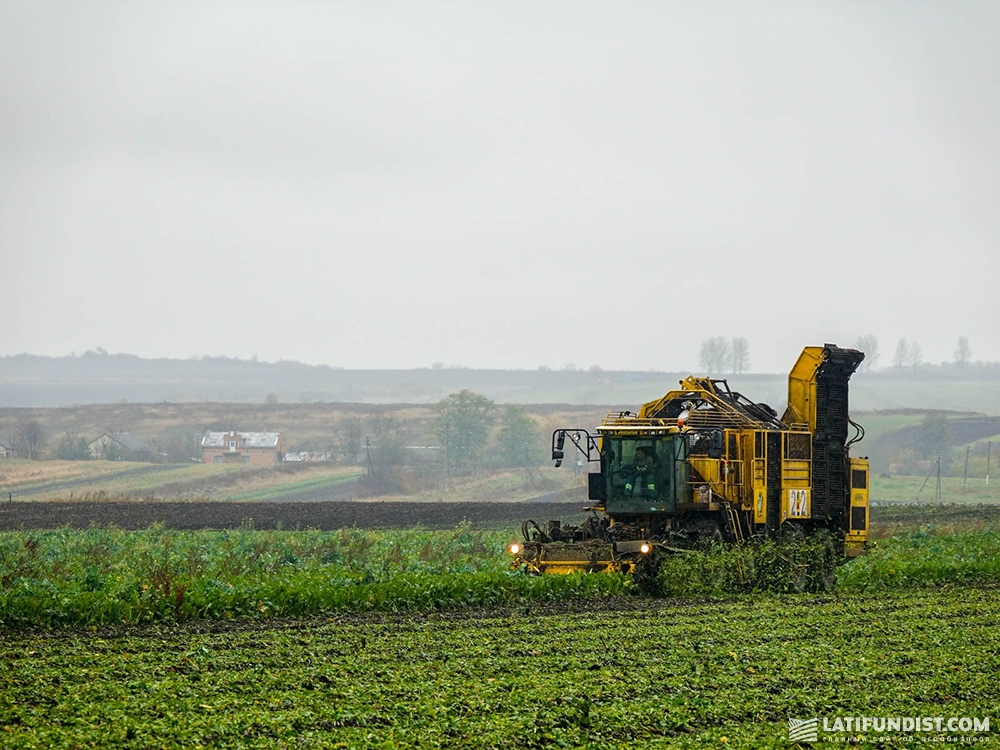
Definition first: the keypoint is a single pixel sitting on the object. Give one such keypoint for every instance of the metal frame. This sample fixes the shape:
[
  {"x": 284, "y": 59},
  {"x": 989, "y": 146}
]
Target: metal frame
[{"x": 588, "y": 449}]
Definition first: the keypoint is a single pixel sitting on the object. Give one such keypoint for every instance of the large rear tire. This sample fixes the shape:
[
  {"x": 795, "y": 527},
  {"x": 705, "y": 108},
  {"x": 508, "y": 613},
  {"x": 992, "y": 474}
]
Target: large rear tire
[
  {"x": 828, "y": 563},
  {"x": 704, "y": 533},
  {"x": 647, "y": 574}
]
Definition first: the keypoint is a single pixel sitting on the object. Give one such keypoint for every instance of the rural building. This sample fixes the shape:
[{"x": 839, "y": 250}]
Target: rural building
[
  {"x": 254, "y": 448},
  {"x": 121, "y": 446},
  {"x": 7, "y": 449}
]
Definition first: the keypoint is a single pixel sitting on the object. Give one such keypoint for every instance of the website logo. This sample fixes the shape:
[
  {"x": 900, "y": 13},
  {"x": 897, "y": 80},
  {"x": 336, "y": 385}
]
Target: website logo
[
  {"x": 803, "y": 730},
  {"x": 964, "y": 730}
]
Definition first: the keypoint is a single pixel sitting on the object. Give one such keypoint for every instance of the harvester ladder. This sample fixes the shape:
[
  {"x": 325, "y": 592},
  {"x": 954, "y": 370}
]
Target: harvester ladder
[{"x": 734, "y": 522}]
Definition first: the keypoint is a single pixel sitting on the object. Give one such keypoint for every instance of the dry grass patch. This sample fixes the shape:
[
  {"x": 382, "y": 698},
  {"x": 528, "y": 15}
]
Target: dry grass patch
[{"x": 18, "y": 471}]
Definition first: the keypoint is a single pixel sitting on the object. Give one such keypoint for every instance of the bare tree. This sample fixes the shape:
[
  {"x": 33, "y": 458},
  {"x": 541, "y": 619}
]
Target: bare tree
[
  {"x": 901, "y": 357},
  {"x": 714, "y": 354},
  {"x": 739, "y": 355},
  {"x": 350, "y": 439},
  {"x": 383, "y": 423},
  {"x": 869, "y": 345},
  {"x": 29, "y": 437},
  {"x": 916, "y": 355},
  {"x": 963, "y": 352}
]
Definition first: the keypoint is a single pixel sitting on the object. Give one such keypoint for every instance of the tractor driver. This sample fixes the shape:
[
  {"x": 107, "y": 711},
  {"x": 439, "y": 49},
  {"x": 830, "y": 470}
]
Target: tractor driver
[{"x": 643, "y": 477}]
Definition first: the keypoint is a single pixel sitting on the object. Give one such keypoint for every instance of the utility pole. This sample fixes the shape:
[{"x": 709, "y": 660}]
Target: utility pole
[
  {"x": 936, "y": 469},
  {"x": 938, "y": 490},
  {"x": 989, "y": 446},
  {"x": 368, "y": 454},
  {"x": 965, "y": 481}
]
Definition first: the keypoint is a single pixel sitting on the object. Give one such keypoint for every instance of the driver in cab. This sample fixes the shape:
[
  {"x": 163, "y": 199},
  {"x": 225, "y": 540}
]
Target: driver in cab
[{"x": 642, "y": 481}]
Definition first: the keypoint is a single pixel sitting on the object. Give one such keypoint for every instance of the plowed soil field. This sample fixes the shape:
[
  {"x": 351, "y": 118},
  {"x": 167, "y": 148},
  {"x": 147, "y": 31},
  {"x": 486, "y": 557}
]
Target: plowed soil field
[{"x": 290, "y": 515}]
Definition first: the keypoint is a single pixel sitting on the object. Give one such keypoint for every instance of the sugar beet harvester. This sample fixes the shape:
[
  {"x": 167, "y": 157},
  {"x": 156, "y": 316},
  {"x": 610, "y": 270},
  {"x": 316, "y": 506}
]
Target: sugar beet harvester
[{"x": 705, "y": 463}]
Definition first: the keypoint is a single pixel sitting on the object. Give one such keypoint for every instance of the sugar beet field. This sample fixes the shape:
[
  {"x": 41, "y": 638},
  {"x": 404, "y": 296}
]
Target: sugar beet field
[{"x": 334, "y": 631}]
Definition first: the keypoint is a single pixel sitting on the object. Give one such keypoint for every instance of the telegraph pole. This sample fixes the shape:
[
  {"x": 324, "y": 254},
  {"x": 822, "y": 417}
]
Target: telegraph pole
[
  {"x": 926, "y": 480},
  {"x": 938, "y": 490},
  {"x": 965, "y": 481}
]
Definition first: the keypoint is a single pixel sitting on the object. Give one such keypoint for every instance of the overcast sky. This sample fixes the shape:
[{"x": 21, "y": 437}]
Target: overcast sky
[{"x": 498, "y": 184}]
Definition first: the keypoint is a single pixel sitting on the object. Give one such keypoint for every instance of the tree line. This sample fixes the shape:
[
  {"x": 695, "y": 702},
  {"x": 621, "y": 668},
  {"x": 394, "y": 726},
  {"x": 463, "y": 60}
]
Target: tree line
[
  {"x": 908, "y": 354},
  {"x": 721, "y": 355}
]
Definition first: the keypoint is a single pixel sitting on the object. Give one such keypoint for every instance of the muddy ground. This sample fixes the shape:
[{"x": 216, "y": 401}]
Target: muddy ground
[
  {"x": 286, "y": 515},
  {"x": 334, "y": 514}
]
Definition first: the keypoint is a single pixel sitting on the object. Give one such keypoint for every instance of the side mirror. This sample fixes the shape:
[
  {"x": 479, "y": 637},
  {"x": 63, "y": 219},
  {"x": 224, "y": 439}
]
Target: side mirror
[{"x": 557, "y": 451}]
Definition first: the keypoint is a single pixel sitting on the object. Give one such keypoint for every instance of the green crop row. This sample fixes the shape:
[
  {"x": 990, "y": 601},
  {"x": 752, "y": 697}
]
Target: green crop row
[
  {"x": 293, "y": 595},
  {"x": 645, "y": 673},
  {"x": 102, "y": 576},
  {"x": 927, "y": 558},
  {"x": 109, "y": 576},
  {"x": 922, "y": 558},
  {"x": 291, "y": 488},
  {"x": 767, "y": 566},
  {"x": 158, "y": 552}
]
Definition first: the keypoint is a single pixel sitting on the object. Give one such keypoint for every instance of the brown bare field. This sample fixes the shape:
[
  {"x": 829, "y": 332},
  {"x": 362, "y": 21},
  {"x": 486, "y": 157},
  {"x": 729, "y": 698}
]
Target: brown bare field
[{"x": 292, "y": 515}]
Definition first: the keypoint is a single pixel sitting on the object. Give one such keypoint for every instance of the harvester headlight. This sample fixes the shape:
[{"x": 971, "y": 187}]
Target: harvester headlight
[
  {"x": 515, "y": 548},
  {"x": 645, "y": 548}
]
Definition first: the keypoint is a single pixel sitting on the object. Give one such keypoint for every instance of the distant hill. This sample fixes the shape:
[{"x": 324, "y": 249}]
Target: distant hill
[{"x": 97, "y": 377}]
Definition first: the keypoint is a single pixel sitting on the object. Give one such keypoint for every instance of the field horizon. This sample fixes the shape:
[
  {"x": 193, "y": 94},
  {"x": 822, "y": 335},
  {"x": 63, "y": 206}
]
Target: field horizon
[{"x": 102, "y": 378}]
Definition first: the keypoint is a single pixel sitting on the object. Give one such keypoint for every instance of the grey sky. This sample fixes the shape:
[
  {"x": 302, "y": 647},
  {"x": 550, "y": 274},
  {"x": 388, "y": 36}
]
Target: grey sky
[{"x": 498, "y": 184}]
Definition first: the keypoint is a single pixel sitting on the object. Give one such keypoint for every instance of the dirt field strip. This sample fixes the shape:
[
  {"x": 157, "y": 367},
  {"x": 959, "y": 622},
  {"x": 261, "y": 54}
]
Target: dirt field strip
[{"x": 288, "y": 515}]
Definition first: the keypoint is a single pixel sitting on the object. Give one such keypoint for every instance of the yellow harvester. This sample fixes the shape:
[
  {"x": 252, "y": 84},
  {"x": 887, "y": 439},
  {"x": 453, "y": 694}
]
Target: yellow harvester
[{"x": 704, "y": 462}]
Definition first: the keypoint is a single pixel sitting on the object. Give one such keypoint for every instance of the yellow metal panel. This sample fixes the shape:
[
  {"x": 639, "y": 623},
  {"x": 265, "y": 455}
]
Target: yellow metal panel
[
  {"x": 795, "y": 473},
  {"x": 802, "y": 388},
  {"x": 758, "y": 479},
  {"x": 708, "y": 468},
  {"x": 857, "y": 538},
  {"x": 760, "y": 504}
]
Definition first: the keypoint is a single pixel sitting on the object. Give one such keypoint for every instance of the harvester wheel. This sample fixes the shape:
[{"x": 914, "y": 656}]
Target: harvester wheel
[
  {"x": 792, "y": 532},
  {"x": 707, "y": 533},
  {"x": 828, "y": 574},
  {"x": 799, "y": 575},
  {"x": 646, "y": 574}
]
